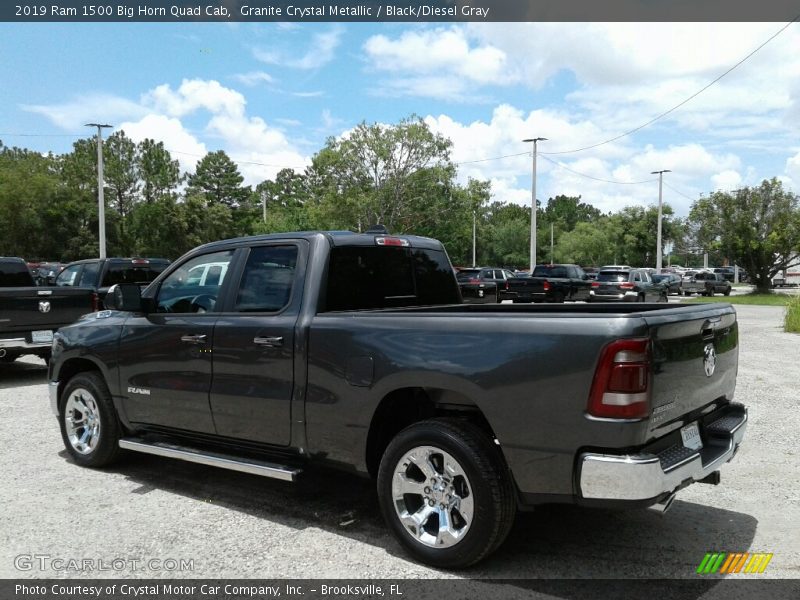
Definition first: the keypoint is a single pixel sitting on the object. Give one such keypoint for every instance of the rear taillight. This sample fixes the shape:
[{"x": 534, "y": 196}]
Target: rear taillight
[
  {"x": 626, "y": 286},
  {"x": 546, "y": 286},
  {"x": 621, "y": 386},
  {"x": 474, "y": 280},
  {"x": 507, "y": 285},
  {"x": 95, "y": 302},
  {"x": 595, "y": 284}
]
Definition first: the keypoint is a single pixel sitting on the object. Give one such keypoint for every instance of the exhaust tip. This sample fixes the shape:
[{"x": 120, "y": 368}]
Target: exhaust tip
[
  {"x": 663, "y": 506},
  {"x": 2, "y": 352}
]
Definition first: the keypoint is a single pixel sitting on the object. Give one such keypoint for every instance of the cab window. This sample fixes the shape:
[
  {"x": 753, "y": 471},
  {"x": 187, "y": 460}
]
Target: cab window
[
  {"x": 188, "y": 289},
  {"x": 69, "y": 276}
]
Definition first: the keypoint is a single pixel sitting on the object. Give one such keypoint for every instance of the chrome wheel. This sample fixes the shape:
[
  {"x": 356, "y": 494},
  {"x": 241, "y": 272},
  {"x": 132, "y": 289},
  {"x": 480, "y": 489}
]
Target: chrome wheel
[
  {"x": 432, "y": 497},
  {"x": 82, "y": 421}
]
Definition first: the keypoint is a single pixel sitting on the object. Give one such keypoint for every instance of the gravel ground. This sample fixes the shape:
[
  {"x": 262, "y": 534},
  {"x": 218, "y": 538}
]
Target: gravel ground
[{"x": 238, "y": 526}]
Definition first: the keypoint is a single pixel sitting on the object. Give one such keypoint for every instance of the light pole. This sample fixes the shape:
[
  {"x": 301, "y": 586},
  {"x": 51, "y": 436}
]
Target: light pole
[
  {"x": 533, "y": 200},
  {"x": 101, "y": 202},
  {"x": 474, "y": 218},
  {"x": 658, "y": 237}
]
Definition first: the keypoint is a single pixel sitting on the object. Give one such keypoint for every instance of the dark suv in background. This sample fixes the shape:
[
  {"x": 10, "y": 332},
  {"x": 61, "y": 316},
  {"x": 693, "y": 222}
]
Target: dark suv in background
[{"x": 100, "y": 274}]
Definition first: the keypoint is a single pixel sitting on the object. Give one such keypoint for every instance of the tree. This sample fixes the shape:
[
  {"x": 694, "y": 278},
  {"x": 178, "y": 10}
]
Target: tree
[
  {"x": 121, "y": 177},
  {"x": 159, "y": 174},
  {"x": 588, "y": 244},
  {"x": 374, "y": 174},
  {"x": 217, "y": 179},
  {"x": 758, "y": 227}
]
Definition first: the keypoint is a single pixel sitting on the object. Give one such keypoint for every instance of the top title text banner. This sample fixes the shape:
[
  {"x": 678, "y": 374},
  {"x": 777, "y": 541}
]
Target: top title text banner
[{"x": 400, "y": 10}]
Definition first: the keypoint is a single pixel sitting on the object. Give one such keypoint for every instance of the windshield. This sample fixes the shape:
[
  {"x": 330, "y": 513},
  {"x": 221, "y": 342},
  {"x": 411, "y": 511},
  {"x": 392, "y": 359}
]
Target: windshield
[{"x": 466, "y": 274}]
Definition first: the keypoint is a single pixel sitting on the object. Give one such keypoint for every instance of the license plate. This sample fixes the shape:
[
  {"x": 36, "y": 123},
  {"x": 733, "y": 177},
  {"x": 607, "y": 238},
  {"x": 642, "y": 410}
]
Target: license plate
[
  {"x": 44, "y": 336},
  {"x": 691, "y": 437}
]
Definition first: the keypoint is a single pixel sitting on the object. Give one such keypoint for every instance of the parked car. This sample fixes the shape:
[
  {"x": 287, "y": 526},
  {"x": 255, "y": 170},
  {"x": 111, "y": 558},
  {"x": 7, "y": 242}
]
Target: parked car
[
  {"x": 99, "y": 274},
  {"x": 671, "y": 281},
  {"x": 551, "y": 283},
  {"x": 496, "y": 275},
  {"x": 621, "y": 285},
  {"x": 30, "y": 314},
  {"x": 475, "y": 290},
  {"x": 705, "y": 283},
  {"x": 354, "y": 351}
]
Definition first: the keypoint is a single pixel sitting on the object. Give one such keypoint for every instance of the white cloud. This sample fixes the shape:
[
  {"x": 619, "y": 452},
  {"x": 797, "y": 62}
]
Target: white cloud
[
  {"x": 195, "y": 94},
  {"x": 321, "y": 51},
  {"x": 161, "y": 114},
  {"x": 430, "y": 53},
  {"x": 315, "y": 94},
  {"x": 726, "y": 180},
  {"x": 793, "y": 170},
  {"x": 187, "y": 149},
  {"x": 254, "y": 78},
  {"x": 613, "y": 176},
  {"x": 94, "y": 108}
]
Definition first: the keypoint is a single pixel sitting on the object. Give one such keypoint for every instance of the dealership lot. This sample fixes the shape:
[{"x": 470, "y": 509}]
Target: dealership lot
[{"x": 152, "y": 517}]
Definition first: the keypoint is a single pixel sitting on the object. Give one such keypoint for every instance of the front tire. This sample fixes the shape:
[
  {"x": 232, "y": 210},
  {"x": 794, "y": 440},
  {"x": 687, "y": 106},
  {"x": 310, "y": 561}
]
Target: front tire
[
  {"x": 89, "y": 425},
  {"x": 446, "y": 493}
]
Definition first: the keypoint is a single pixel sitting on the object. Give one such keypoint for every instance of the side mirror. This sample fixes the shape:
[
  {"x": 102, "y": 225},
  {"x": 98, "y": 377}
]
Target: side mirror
[{"x": 124, "y": 296}]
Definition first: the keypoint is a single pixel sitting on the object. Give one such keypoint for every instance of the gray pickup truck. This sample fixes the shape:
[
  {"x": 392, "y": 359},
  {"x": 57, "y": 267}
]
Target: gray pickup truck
[
  {"x": 354, "y": 351},
  {"x": 29, "y": 314}
]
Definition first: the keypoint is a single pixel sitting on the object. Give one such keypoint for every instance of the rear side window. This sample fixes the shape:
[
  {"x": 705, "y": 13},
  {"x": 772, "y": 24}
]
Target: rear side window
[
  {"x": 130, "y": 272},
  {"x": 368, "y": 277},
  {"x": 90, "y": 273},
  {"x": 266, "y": 284},
  {"x": 15, "y": 274}
]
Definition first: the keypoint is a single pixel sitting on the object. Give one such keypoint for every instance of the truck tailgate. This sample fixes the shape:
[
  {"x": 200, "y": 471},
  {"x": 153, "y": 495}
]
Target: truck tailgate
[
  {"x": 695, "y": 361},
  {"x": 28, "y": 309}
]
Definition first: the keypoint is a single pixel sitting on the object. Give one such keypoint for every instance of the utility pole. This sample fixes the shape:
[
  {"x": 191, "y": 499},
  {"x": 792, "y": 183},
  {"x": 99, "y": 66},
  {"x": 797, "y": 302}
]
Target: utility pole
[
  {"x": 474, "y": 218},
  {"x": 533, "y": 199},
  {"x": 551, "y": 244},
  {"x": 658, "y": 237},
  {"x": 101, "y": 201},
  {"x": 264, "y": 205}
]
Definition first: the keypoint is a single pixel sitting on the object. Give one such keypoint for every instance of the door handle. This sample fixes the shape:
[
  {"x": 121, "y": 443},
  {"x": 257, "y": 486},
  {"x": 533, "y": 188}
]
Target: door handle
[
  {"x": 269, "y": 342},
  {"x": 194, "y": 339}
]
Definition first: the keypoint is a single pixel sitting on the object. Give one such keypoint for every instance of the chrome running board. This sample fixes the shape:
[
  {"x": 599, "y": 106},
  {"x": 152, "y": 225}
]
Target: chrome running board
[{"x": 213, "y": 459}]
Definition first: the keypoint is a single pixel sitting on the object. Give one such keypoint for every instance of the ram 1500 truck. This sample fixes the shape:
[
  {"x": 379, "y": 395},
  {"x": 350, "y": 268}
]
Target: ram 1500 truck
[
  {"x": 550, "y": 283},
  {"x": 355, "y": 351},
  {"x": 29, "y": 314}
]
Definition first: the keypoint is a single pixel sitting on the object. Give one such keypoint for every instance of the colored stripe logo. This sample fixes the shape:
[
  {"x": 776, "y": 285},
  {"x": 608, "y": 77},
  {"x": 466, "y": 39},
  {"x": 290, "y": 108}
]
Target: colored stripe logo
[{"x": 728, "y": 563}]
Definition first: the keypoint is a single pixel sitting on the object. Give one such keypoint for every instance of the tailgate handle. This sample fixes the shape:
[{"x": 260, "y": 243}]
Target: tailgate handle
[
  {"x": 709, "y": 326},
  {"x": 194, "y": 339},
  {"x": 269, "y": 342}
]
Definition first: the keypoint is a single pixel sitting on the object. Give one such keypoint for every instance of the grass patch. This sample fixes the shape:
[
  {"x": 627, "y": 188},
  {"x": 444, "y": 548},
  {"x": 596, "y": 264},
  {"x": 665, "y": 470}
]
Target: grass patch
[
  {"x": 762, "y": 299},
  {"x": 791, "y": 320}
]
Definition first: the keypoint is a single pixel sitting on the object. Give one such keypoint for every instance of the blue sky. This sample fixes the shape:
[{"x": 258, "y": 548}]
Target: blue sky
[{"x": 272, "y": 93}]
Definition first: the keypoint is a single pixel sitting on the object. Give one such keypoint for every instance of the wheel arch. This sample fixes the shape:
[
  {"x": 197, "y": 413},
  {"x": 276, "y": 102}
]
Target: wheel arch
[
  {"x": 405, "y": 406},
  {"x": 73, "y": 366}
]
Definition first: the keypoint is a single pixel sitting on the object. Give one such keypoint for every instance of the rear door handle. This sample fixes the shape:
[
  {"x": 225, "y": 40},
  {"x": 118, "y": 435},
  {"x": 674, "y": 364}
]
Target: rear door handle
[
  {"x": 269, "y": 342},
  {"x": 194, "y": 339}
]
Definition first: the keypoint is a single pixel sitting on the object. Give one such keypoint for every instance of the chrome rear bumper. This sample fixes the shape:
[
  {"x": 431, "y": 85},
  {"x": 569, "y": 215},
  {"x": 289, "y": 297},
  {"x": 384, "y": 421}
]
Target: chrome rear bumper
[{"x": 646, "y": 475}]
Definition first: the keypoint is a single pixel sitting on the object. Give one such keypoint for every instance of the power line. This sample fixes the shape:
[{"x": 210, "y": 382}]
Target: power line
[
  {"x": 72, "y": 135},
  {"x": 566, "y": 168},
  {"x": 679, "y": 192},
  {"x": 677, "y": 106},
  {"x": 469, "y": 162}
]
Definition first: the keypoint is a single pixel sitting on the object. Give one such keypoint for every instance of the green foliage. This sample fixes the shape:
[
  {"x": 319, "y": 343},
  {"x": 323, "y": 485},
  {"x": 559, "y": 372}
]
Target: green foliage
[
  {"x": 217, "y": 180},
  {"x": 758, "y": 228},
  {"x": 791, "y": 320}
]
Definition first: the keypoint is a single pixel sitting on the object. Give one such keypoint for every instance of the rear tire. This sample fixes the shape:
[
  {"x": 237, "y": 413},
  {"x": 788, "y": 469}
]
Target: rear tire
[
  {"x": 446, "y": 492},
  {"x": 727, "y": 292},
  {"x": 89, "y": 424}
]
